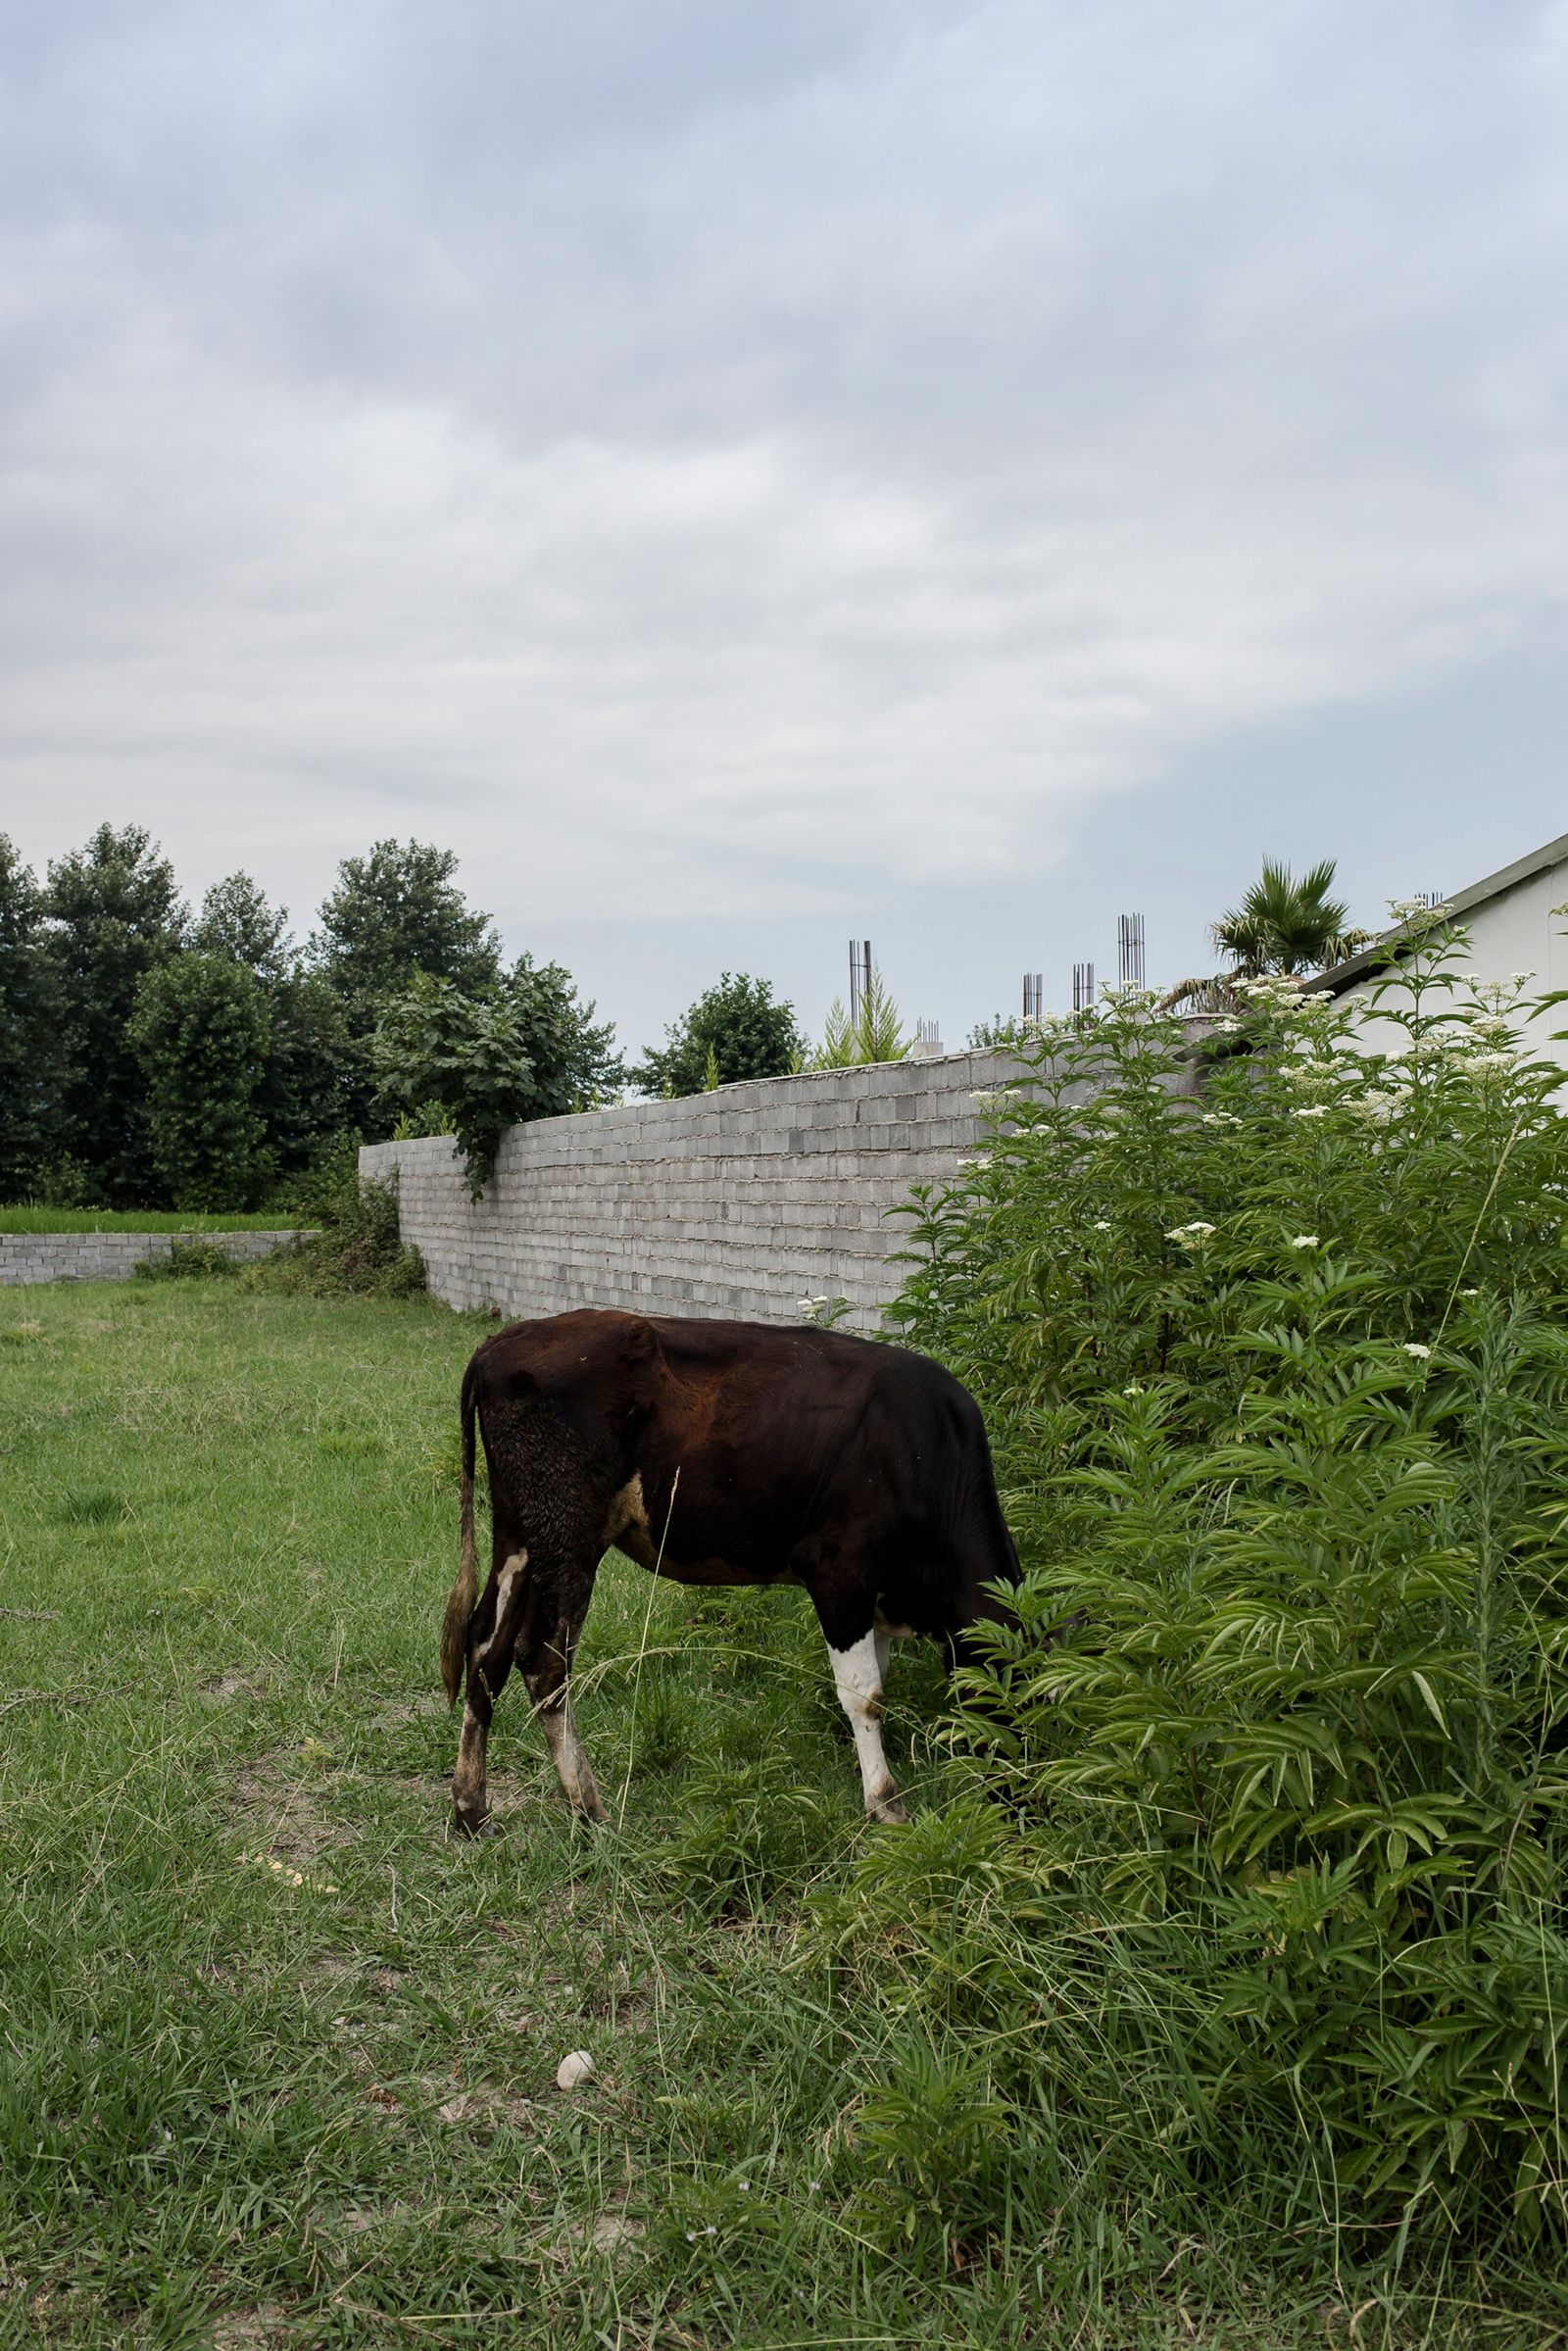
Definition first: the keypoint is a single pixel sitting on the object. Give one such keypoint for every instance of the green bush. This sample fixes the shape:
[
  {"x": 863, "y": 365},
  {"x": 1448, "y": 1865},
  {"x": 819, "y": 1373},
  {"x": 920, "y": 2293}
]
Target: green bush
[
  {"x": 1261, "y": 1883},
  {"x": 356, "y": 1248},
  {"x": 190, "y": 1261}
]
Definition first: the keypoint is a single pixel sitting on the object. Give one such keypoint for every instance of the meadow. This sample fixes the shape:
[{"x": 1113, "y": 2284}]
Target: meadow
[{"x": 278, "y": 2056}]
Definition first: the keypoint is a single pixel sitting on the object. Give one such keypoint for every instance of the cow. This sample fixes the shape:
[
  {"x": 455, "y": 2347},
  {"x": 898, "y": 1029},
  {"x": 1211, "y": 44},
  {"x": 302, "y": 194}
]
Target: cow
[{"x": 714, "y": 1454}]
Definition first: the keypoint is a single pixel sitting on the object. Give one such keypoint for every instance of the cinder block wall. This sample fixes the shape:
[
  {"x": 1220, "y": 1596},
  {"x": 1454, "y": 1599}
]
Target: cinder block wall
[
  {"x": 734, "y": 1204},
  {"x": 112, "y": 1257}
]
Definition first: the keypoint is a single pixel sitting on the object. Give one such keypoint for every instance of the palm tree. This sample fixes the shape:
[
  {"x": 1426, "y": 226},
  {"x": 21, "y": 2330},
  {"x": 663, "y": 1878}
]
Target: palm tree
[{"x": 1282, "y": 925}]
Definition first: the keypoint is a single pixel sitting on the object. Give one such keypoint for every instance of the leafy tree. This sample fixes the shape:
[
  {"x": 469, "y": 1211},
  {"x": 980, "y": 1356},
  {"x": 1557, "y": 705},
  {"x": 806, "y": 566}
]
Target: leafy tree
[
  {"x": 575, "y": 1063},
  {"x": 750, "y": 1036},
  {"x": 314, "y": 1083},
  {"x": 469, "y": 1052},
  {"x": 113, "y": 914},
  {"x": 393, "y": 915},
  {"x": 201, "y": 1032},
  {"x": 238, "y": 921},
  {"x": 529, "y": 1050},
  {"x": 1282, "y": 925},
  {"x": 26, "y": 1032}
]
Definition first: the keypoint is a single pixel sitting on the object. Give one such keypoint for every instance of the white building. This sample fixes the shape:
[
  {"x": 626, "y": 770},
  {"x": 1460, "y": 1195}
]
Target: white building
[{"x": 1516, "y": 920}]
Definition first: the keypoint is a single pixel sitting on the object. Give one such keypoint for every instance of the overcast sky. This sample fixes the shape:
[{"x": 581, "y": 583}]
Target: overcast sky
[{"x": 743, "y": 475}]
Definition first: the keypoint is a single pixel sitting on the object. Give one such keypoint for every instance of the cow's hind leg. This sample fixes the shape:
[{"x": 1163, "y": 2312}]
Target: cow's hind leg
[
  {"x": 858, "y": 1675},
  {"x": 845, "y": 1599},
  {"x": 492, "y": 1636},
  {"x": 545, "y": 1660}
]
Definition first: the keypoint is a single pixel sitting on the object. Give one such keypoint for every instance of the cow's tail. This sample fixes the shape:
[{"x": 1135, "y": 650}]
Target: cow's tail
[{"x": 466, "y": 1591}]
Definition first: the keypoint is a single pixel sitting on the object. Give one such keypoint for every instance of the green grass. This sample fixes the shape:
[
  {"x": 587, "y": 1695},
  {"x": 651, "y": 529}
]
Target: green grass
[
  {"x": 277, "y": 2058},
  {"x": 29, "y": 1219}
]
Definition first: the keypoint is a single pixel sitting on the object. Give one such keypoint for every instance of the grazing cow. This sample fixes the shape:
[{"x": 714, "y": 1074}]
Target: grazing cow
[{"x": 715, "y": 1453}]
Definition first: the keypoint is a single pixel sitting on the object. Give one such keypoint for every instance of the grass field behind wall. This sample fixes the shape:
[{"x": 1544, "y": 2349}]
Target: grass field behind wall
[
  {"x": 29, "y": 1219},
  {"x": 277, "y": 2059}
]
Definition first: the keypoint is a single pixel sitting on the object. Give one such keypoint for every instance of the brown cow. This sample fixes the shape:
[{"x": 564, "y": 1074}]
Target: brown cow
[{"x": 715, "y": 1453}]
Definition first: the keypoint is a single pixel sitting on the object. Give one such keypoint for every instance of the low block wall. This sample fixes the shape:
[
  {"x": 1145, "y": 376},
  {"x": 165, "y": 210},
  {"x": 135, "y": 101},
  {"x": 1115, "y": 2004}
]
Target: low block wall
[
  {"x": 111, "y": 1256},
  {"x": 733, "y": 1203}
]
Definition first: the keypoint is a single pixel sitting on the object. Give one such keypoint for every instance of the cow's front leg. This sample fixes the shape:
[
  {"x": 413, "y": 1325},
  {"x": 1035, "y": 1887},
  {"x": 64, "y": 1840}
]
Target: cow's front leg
[
  {"x": 857, "y": 1673},
  {"x": 548, "y": 1674},
  {"x": 491, "y": 1636}
]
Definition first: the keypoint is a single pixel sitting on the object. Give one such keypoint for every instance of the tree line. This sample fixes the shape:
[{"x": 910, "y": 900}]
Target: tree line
[{"x": 155, "y": 1056}]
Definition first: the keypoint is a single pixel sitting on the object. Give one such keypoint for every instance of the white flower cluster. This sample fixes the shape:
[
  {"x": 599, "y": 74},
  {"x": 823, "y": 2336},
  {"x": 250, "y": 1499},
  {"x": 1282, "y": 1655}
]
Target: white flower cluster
[
  {"x": 1220, "y": 1118},
  {"x": 1382, "y": 1103},
  {"x": 1271, "y": 988},
  {"x": 1304, "y": 1241},
  {"x": 1407, "y": 910},
  {"x": 1321, "y": 1076},
  {"x": 1191, "y": 1236}
]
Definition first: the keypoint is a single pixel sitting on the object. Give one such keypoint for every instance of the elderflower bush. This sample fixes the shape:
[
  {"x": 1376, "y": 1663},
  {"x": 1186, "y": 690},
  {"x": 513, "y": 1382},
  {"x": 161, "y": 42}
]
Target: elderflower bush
[{"x": 1274, "y": 1355}]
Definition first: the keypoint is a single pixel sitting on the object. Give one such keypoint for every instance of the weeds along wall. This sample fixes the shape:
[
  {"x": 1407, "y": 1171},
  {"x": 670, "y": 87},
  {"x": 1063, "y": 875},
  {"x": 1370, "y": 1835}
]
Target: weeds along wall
[{"x": 739, "y": 1202}]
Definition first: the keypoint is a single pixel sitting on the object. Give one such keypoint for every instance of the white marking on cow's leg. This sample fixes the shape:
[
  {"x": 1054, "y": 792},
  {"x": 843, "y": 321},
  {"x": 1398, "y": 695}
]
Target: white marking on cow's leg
[
  {"x": 500, "y": 1630},
  {"x": 469, "y": 1800},
  {"x": 884, "y": 1650},
  {"x": 468, "y": 1781},
  {"x": 569, "y": 1758},
  {"x": 857, "y": 1671}
]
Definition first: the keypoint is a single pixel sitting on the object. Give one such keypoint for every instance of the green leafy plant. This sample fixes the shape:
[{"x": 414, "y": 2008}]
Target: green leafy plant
[
  {"x": 1275, "y": 1361},
  {"x": 425, "y": 1118},
  {"x": 736, "y": 1028},
  {"x": 528, "y": 1049},
  {"x": 876, "y": 1034},
  {"x": 469, "y": 1051},
  {"x": 355, "y": 1247}
]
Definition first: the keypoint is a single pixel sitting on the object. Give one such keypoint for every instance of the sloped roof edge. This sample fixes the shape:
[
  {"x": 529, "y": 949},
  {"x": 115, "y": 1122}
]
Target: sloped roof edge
[{"x": 1385, "y": 950}]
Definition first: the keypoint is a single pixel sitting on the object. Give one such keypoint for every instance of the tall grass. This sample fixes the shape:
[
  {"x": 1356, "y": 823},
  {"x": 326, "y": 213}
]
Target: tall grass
[{"x": 1272, "y": 1851}]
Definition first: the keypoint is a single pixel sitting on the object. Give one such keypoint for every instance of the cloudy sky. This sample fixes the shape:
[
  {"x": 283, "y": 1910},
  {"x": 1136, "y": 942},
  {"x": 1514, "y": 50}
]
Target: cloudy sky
[{"x": 745, "y": 476}]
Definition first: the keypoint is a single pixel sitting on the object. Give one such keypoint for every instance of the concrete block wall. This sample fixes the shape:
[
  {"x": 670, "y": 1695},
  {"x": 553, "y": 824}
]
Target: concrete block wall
[
  {"x": 733, "y": 1203},
  {"x": 27, "y": 1257}
]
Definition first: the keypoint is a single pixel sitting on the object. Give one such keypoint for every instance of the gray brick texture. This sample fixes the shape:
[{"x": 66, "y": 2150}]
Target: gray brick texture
[
  {"x": 736, "y": 1203},
  {"x": 27, "y": 1257}
]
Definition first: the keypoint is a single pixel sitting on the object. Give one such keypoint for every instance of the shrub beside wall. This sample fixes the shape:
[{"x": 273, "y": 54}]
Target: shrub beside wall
[{"x": 1261, "y": 1893}]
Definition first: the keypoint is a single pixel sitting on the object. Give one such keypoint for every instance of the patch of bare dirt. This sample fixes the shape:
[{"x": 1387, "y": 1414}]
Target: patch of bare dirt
[
  {"x": 483, "y": 2106},
  {"x": 284, "y": 1812},
  {"x": 394, "y": 1716},
  {"x": 246, "y": 2329}
]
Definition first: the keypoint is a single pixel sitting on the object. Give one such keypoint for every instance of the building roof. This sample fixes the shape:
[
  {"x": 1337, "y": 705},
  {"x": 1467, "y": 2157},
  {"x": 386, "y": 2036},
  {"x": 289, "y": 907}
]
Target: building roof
[{"x": 1385, "y": 950}]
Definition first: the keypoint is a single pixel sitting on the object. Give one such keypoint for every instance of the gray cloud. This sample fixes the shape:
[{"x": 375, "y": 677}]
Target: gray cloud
[{"x": 740, "y": 460}]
